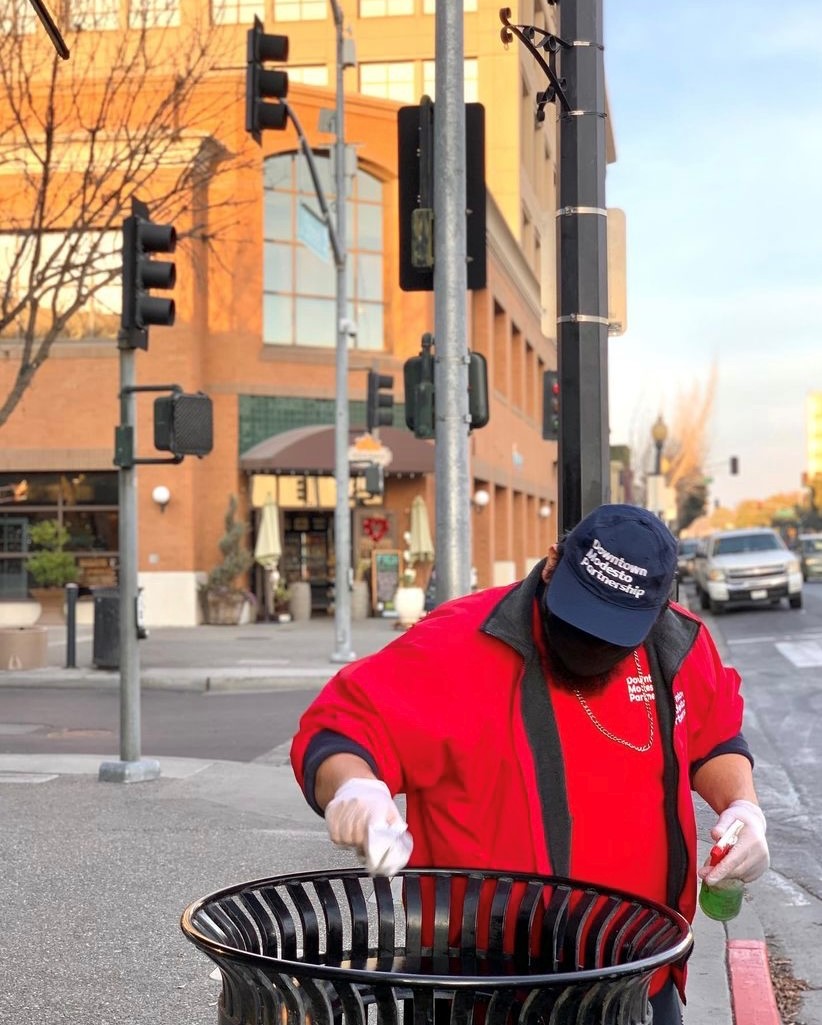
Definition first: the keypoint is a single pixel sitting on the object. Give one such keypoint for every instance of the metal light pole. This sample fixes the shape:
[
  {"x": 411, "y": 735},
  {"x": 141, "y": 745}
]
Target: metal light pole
[
  {"x": 450, "y": 327},
  {"x": 582, "y": 269},
  {"x": 343, "y": 651},
  {"x": 131, "y": 768}
]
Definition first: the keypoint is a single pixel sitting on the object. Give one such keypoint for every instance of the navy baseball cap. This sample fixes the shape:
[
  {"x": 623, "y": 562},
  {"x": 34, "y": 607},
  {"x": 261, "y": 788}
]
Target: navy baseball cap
[{"x": 615, "y": 574}]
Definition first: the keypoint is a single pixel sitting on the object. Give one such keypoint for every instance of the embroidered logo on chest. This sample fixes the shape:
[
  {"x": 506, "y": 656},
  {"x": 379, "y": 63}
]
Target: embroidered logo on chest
[{"x": 679, "y": 707}]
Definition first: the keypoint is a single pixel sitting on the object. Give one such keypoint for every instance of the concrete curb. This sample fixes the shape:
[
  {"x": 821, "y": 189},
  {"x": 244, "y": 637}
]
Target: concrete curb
[{"x": 749, "y": 974}]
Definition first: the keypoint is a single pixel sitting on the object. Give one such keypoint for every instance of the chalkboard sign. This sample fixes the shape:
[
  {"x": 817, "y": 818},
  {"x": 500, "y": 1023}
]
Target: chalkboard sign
[{"x": 385, "y": 576}]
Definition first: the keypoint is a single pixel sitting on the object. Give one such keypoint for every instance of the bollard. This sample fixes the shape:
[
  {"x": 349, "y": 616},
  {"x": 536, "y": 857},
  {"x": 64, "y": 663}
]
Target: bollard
[{"x": 72, "y": 590}]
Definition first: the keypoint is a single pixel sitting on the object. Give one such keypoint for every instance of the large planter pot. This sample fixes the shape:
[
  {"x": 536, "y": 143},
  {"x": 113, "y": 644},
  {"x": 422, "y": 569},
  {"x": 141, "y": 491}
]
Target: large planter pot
[
  {"x": 223, "y": 608},
  {"x": 409, "y": 603},
  {"x": 300, "y": 602},
  {"x": 14, "y": 613},
  {"x": 360, "y": 600},
  {"x": 51, "y": 603}
]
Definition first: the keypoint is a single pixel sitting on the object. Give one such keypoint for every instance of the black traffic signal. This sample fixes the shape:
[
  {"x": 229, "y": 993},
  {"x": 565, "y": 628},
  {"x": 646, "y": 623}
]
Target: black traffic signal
[
  {"x": 379, "y": 408},
  {"x": 141, "y": 239},
  {"x": 263, "y": 83},
  {"x": 302, "y": 489},
  {"x": 418, "y": 376},
  {"x": 734, "y": 465},
  {"x": 184, "y": 424},
  {"x": 416, "y": 177},
  {"x": 550, "y": 405},
  {"x": 374, "y": 479},
  {"x": 478, "y": 390}
]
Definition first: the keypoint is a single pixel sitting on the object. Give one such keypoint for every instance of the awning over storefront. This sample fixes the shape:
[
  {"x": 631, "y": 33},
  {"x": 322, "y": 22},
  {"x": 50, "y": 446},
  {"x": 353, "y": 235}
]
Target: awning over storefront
[{"x": 310, "y": 450}]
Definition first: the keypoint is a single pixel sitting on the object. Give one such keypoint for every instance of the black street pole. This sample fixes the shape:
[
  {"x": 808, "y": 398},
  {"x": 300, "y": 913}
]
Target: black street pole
[{"x": 582, "y": 270}]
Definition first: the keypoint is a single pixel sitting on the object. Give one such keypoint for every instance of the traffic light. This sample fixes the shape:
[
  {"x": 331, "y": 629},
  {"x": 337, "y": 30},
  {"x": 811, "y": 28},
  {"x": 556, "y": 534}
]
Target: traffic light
[
  {"x": 184, "y": 424},
  {"x": 302, "y": 489},
  {"x": 379, "y": 410},
  {"x": 263, "y": 83},
  {"x": 418, "y": 376},
  {"x": 141, "y": 239},
  {"x": 734, "y": 465},
  {"x": 478, "y": 390},
  {"x": 550, "y": 405},
  {"x": 374, "y": 479}
]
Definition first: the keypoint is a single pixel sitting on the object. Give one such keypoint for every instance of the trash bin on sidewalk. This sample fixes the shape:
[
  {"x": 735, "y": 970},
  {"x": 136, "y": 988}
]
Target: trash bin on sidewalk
[
  {"x": 106, "y": 640},
  {"x": 433, "y": 946}
]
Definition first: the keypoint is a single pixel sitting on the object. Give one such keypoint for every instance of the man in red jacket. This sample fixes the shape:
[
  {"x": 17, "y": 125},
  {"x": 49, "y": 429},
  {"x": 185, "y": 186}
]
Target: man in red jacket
[{"x": 554, "y": 726}]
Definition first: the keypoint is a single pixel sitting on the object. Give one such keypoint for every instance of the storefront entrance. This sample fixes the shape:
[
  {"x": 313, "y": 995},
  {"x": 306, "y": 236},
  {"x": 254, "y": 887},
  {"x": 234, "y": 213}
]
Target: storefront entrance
[{"x": 308, "y": 554}]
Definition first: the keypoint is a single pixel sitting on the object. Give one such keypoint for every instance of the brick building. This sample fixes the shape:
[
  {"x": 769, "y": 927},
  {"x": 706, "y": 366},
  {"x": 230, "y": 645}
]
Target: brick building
[{"x": 255, "y": 298}]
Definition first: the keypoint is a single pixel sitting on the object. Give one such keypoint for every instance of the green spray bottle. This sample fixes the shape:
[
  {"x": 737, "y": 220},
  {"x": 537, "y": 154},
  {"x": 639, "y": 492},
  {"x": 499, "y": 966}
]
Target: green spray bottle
[{"x": 723, "y": 901}]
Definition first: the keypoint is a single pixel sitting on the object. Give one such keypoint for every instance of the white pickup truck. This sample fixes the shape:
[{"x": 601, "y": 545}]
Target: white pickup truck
[{"x": 750, "y": 566}]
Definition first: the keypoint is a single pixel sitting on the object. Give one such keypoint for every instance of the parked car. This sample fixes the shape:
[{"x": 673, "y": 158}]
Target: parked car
[
  {"x": 750, "y": 566},
  {"x": 809, "y": 550},
  {"x": 685, "y": 552}
]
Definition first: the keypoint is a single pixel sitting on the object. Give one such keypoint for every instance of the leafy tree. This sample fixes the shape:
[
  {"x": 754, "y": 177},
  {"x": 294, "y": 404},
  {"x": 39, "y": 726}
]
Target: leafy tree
[
  {"x": 126, "y": 115},
  {"x": 51, "y": 566},
  {"x": 236, "y": 557}
]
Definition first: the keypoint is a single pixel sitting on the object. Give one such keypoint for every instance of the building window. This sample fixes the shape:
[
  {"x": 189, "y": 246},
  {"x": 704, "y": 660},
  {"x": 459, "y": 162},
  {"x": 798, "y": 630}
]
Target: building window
[
  {"x": 385, "y": 8},
  {"x": 300, "y": 10},
  {"x": 299, "y": 275},
  {"x": 86, "y": 269},
  {"x": 470, "y": 79},
  {"x": 309, "y": 74},
  {"x": 430, "y": 6},
  {"x": 84, "y": 503},
  {"x": 389, "y": 81},
  {"x": 154, "y": 14},
  {"x": 17, "y": 19},
  {"x": 95, "y": 14},
  {"x": 237, "y": 12}
]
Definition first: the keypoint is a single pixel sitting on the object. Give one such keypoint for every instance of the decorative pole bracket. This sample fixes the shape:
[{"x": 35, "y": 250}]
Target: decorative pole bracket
[{"x": 548, "y": 42}]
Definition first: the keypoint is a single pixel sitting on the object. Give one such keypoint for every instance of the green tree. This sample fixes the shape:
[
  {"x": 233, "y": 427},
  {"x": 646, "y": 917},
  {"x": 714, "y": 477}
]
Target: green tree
[
  {"x": 236, "y": 557},
  {"x": 50, "y": 565}
]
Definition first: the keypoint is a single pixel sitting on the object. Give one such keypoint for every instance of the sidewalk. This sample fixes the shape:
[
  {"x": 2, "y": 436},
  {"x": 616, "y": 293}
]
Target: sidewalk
[{"x": 121, "y": 862}]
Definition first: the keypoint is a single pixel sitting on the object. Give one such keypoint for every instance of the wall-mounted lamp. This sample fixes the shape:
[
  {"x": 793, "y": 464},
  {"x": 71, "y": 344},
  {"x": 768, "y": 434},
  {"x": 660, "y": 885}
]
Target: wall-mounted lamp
[
  {"x": 162, "y": 496},
  {"x": 481, "y": 498},
  {"x": 544, "y": 511}
]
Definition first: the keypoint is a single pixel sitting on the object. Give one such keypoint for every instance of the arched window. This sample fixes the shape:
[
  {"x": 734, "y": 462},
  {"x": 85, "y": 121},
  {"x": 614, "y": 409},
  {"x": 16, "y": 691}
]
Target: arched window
[{"x": 299, "y": 274}]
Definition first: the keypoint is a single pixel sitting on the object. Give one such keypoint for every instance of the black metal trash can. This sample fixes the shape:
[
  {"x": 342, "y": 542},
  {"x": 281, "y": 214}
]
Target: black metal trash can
[
  {"x": 436, "y": 947},
  {"x": 106, "y": 640}
]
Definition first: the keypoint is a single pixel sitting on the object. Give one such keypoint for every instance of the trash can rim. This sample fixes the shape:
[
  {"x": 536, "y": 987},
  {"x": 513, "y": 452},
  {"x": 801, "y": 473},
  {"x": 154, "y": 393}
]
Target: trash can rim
[{"x": 360, "y": 975}]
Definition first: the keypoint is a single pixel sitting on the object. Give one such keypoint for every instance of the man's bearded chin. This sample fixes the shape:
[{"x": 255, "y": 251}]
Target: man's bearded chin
[
  {"x": 579, "y": 661},
  {"x": 563, "y": 678}
]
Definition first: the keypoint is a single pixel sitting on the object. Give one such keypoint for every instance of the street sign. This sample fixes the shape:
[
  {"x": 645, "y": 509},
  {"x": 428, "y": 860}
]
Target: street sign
[{"x": 312, "y": 231}]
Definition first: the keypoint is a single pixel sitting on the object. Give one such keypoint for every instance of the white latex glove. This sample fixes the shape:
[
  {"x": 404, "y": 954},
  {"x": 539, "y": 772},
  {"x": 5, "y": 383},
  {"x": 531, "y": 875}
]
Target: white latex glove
[
  {"x": 749, "y": 857},
  {"x": 362, "y": 815}
]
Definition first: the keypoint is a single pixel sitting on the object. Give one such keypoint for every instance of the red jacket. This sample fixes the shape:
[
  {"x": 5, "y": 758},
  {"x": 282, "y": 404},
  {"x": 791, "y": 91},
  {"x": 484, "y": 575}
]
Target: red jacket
[{"x": 456, "y": 714}]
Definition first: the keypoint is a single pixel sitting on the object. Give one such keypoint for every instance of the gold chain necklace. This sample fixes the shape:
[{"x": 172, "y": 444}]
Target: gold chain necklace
[{"x": 612, "y": 736}]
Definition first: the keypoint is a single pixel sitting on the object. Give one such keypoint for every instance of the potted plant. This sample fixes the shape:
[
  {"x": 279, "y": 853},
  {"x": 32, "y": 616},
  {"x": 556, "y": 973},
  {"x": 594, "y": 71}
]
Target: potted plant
[
  {"x": 50, "y": 566},
  {"x": 222, "y": 600},
  {"x": 281, "y": 600},
  {"x": 409, "y": 600}
]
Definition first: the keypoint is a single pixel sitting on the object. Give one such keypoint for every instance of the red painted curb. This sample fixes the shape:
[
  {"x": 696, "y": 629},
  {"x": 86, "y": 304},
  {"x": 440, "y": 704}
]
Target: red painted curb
[{"x": 752, "y": 996}]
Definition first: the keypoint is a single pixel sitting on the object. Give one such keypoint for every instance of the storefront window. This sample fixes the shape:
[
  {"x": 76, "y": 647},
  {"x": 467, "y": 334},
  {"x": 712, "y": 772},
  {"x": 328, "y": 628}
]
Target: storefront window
[{"x": 84, "y": 503}]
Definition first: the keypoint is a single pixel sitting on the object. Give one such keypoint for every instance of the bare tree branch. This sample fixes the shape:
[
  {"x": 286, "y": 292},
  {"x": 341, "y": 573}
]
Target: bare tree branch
[{"x": 76, "y": 144}]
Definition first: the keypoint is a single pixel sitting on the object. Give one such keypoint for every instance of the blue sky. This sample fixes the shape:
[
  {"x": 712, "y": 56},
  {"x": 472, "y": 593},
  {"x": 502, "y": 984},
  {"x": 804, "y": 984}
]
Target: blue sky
[{"x": 717, "y": 112}]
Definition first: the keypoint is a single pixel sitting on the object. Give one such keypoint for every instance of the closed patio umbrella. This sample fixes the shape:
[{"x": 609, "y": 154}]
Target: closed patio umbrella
[
  {"x": 267, "y": 547},
  {"x": 267, "y": 551},
  {"x": 421, "y": 547}
]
